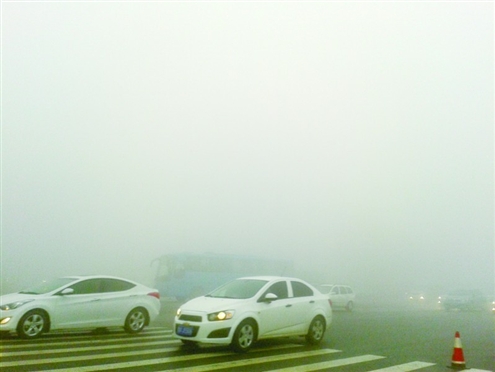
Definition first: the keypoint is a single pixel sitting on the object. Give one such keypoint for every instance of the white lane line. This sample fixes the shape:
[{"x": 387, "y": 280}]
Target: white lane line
[
  {"x": 166, "y": 360},
  {"x": 247, "y": 362},
  {"x": 84, "y": 348},
  {"x": 81, "y": 358},
  {"x": 405, "y": 367},
  {"x": 329, "y": 364},
  {"x": 71, "y": 340}
]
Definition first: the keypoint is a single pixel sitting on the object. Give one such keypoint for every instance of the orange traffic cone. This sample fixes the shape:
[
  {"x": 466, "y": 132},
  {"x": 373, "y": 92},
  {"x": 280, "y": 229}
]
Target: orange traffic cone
[{"x": 458, "y": 361}]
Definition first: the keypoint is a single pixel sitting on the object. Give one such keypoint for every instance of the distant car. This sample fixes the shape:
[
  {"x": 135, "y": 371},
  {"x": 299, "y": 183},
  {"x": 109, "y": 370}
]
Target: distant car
[
  {"x": 248, "y": 309},
  {"x": 79, "y": 302},
  {"x": 416, "y": 296},
  {"x": 464, "y": 299},
  {"x": 341, "y": 296}
]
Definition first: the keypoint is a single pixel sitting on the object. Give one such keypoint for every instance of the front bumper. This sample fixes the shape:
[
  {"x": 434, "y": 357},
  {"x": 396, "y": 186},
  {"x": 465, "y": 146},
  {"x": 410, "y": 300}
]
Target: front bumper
[
  {"x": 204, "y": 331},
  {"x": 9, "y": 320}
]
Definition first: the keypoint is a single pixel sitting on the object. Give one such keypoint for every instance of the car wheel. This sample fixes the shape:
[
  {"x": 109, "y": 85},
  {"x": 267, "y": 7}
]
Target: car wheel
[
  {"x": 244, "y": 336},
  {"x": 136, "y": 320},
  {"x": 350, "y": 306},
  {"x": 32, "y": 324},
  {"x": 316, "y": 330}
]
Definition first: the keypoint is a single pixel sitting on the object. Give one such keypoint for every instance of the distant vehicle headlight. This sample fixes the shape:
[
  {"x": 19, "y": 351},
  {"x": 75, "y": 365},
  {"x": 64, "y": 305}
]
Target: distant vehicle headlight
[
  {"x": 221, "y": 315},
  {"x": 14, "y": 305}
]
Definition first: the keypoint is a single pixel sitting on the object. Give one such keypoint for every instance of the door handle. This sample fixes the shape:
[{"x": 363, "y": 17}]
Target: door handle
[
  {"x": 312, "y": 302},
  {"x": 289, "y": 305}
]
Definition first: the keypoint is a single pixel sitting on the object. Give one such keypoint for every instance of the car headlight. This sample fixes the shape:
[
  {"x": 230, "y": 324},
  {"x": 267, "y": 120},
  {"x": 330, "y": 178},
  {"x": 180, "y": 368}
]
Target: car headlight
[
  {"x": 221, "y": 315},
  {"x": 177, "y": 314},
  {"x": 14, "y": 305}
]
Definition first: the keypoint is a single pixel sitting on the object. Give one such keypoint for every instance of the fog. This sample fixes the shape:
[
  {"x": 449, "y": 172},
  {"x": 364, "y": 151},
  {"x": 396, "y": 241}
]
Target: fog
[{"x": 355, "y": 139}]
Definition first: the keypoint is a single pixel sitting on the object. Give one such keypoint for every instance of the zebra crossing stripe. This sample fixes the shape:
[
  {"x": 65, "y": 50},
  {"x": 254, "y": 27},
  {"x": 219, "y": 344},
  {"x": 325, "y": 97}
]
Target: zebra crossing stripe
[
  {"x": 405, "y": 367},
  {"x": 140, "y": 363},
  {"x": 89, "y": 341},
  {"x": 247, "y": 362},
  {"x": 83, "y": 348},
  {"x": 329, "y": 364}
]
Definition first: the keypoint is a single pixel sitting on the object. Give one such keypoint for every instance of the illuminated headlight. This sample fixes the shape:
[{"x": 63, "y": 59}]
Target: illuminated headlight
[
  {"x": 5, "y": 320},
  {"x": 178, "y": 312},
  {"x": 14, "y": 305},
  {"x": 221, "y": 315}
]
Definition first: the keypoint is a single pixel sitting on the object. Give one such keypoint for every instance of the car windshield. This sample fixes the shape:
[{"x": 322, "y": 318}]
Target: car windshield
[
  {"x": 47, "y": 286},
  {"x": 325, "y": 289},
  {"x": 239, "y": 288}
]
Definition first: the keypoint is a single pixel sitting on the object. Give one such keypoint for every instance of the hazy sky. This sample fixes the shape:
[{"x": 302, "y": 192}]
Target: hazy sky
[{"x": 355, "y": 138}]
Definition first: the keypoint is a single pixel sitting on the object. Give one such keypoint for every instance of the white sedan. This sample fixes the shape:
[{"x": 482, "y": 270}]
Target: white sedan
[
  {"x": 253, "y": 308},
  {"x": 79, "y": 302}
]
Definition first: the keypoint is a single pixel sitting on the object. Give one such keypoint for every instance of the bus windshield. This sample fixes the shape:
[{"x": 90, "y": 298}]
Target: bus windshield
[{"x": 183, "y": 276}]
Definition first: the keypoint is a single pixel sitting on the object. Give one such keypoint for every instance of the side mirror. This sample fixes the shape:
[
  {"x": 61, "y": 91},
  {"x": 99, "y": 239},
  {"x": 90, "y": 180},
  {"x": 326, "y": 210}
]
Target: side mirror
[
  {"x": 67, "y": 291},
  {"x": 269, "y": 297}
]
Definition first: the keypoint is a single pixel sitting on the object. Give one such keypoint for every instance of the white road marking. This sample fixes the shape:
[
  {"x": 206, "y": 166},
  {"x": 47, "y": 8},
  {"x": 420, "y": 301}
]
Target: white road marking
[
  {"x": 329, "y": 364},
  {"x": 405, "y": 367},
  {"x": 247, "y": 362},
  {"x": 104, "y": 367},
  {"x": 89, "y": 340},
  {"x": 84, "y": 348}
]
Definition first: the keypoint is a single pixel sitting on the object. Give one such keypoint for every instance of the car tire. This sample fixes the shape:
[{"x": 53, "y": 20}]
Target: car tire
[
  {"x": 136, "y": 320},
  {"x": 316, "y": 330},
  {"x": 244, "y": 336},
  {"x": 32, "y": 324},
  {"x": 350, "y": 306}
]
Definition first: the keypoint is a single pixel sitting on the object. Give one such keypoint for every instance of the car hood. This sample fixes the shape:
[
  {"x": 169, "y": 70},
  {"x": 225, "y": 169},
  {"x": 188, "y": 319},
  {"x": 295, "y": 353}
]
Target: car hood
[
  {"x": 211, "y": 304},
  {"x": 14, "y": 297}
]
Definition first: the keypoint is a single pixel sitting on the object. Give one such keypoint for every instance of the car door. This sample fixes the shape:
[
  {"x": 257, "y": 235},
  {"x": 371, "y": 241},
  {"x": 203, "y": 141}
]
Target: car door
[
  {"x": 81, "y": 308},
  {"x": 303, "y": 302},
  {"x": 116, "y": 300},
  {"x": 275, "y": 317},
  {"x": 338, "y": 296}
]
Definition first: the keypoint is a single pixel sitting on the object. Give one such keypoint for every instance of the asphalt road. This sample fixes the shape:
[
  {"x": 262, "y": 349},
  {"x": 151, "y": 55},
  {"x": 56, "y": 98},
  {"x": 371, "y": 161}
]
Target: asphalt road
[
  {"x": 404, "y": 333},
  {"x": 368, "y": 339}
]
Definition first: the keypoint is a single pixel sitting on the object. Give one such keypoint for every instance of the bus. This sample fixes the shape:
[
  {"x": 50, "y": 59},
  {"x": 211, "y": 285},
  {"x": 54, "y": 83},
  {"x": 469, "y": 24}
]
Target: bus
[{"x": 182, "y": 276}]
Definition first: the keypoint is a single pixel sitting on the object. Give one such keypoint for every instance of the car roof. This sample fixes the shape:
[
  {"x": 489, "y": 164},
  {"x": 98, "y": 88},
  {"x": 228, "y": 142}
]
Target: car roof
[
  {"x": 80, "y": 277},
  {"x": 334, "y": 285},
  {"x": 270, "y": 278}
]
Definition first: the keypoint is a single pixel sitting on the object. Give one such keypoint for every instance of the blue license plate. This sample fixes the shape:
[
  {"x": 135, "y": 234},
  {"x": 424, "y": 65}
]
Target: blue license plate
[{"x": 184, "y": 330}]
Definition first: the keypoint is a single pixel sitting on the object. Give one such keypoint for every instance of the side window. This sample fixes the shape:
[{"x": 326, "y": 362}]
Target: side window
[
  {"x": 301, "y": 290},
  {"x": 334, "y": 290},
  {"x": 279, "y": 289},
  {"x": 87, "y": 286},
  {"x": 349, "y": 290},
  {"x": 115, "y": 285}
]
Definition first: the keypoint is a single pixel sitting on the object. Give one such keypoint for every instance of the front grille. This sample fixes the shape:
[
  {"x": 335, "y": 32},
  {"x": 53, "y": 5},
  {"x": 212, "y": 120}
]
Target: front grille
[{"x": 190, "y": 318}]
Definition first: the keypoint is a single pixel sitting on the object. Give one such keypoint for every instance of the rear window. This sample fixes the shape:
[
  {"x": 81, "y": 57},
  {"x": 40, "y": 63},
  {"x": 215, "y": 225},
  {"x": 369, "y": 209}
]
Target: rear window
[
  {"x": 115, "y": 285},
  {"x": 301, "y": 290}
]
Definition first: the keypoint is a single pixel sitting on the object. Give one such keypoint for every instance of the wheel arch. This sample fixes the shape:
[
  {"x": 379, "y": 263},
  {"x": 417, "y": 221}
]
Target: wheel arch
[
  {"x": 251, "y": 318},
  {"x": 146, "y": 313},
  {"x": 47, "y": 326}
]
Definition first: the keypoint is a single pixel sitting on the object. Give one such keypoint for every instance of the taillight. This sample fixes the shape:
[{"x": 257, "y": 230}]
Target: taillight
[{"x": 154, "y": 294}]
